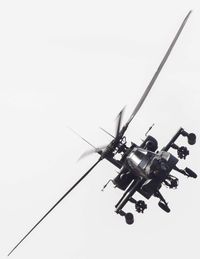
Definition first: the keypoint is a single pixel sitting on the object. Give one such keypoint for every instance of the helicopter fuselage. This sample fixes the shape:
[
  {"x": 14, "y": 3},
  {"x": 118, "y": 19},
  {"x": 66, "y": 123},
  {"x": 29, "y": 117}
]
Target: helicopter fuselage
[{"x": 152, "y": 167}]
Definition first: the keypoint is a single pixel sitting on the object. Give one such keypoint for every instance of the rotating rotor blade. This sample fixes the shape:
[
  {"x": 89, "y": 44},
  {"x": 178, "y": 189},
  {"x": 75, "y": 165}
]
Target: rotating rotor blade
[
  {"x": 107, "y": 132},
  {"x": 76, "y": 133},
  {"x": 119, "y": 120},
  {"x": 158, "y": 69},
  {"x": 56, "y": 204},
  {"x": 98, "y": 150}
]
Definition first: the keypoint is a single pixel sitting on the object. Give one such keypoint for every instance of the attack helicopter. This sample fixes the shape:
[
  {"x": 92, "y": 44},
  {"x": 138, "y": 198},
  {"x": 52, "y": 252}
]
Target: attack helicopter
[{"x": 142, "y": 168}]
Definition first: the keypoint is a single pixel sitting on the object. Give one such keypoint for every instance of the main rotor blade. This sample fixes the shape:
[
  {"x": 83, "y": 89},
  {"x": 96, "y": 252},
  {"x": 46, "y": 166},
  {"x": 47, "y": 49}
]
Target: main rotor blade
[
  {"x": 106, "y": 132},
  {"x": 158, "y": 69},
  {"x": 76, "y": 133},
  {"x": 119, "y": 120},
  {"x": 56, "y": 204},
  {"x": 98, "y": 150}
]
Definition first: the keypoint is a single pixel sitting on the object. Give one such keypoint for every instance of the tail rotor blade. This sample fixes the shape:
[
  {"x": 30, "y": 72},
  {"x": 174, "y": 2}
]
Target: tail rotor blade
[
  {"x": 55, "y": 205},
  {"x": 159, "y": 69}
]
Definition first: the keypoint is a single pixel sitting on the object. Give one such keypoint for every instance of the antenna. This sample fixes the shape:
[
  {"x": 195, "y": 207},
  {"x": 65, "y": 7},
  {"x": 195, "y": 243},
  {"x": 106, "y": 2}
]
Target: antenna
[{"x": 149, "y": 129}]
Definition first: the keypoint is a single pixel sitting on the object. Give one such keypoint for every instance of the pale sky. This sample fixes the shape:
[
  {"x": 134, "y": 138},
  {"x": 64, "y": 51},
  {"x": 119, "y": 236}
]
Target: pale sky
[{"x": 77, "y": 63}]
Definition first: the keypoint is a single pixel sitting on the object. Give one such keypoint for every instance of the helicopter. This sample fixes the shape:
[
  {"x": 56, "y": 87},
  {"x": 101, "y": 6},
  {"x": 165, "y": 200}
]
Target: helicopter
[{"x": 142, "y": 168}]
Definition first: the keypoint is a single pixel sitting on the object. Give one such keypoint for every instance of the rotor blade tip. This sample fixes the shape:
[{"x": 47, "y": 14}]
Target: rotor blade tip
[{"x": 189, "y": 14}]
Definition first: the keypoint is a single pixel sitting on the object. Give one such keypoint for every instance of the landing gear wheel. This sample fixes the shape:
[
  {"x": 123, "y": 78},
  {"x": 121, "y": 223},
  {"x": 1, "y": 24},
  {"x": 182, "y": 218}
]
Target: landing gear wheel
[{"x": 129, "y": 218}]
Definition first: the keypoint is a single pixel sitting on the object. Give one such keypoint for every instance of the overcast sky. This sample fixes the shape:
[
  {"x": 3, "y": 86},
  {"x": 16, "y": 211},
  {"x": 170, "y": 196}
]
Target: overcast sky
[{"x": 77, "y": 63}]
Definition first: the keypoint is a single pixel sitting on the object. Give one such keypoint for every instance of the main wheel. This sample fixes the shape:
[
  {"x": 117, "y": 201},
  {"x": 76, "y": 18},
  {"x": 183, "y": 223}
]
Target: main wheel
[{"x": 129, "y": 218}]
